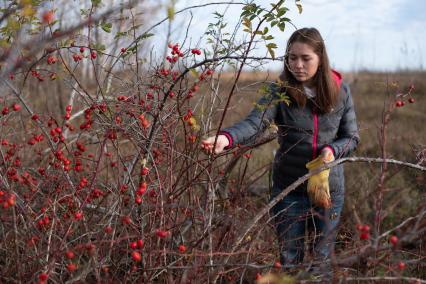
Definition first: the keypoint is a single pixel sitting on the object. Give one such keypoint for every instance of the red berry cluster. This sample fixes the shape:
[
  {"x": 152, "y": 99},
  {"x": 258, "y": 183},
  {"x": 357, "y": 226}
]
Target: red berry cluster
[
  {"x": 364, "y": 231},
  {"x": 51, "y": 60},
  {"x": 400, "y": 97},
  {"x": 77, "y": 57},
  {"x": 136, "y": 255},
  {"x": 196, "y": 51},
  {"x": 68, "y": 112},
  {"x": 176, "y": 53},
  {"x": 37, "y": 75},
  {"x": 7, "y": 200}
]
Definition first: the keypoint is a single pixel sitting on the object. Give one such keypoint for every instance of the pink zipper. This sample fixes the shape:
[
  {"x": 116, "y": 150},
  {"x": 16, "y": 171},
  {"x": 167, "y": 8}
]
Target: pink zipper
[{"x": 314, "y": 143}]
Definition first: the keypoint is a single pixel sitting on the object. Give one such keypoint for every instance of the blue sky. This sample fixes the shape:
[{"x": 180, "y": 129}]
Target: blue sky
[{"x": 383, "y": 35}]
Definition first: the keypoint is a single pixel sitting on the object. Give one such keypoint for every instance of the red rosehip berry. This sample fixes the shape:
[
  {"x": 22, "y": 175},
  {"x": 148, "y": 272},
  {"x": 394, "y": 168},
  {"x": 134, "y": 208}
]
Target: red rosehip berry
[
  {"x": 182, "y": 248},
  {"x": 277, "y": 264},
  {"x": 47, "y": 17},
  {"x": 162, "y": 234},
  {"x": 393, "y": 240},
  {"x": 78, "y": 215},
  {"x": 136, "y": 256},
  {"x": 43, "y": 276},
  {"x": 401, "y": 265},
  {"x": 126, "y": 220},
  {"x": 133, "y": 245},
  {"x": 144, "y": 171},
  {"x": 5, "y": 110},
  {"x": 71, "y": 267},
  {"x": 69, "y": 254},
  {"x": 365, "y": 229},
  {"x": 364, "y": 236},
  {"x": 93, "y": 55},
  {"x": 16, "y": 107},
  {"x": 411, "y": 100},
  {"x": 142, "y": 188}
]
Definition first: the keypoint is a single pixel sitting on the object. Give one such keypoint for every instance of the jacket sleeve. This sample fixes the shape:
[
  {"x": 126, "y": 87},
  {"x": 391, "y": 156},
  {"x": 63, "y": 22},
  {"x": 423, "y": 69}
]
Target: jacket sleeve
[
  {"x": 347, "y": 135},
  {"x": 261, "y": 116}
]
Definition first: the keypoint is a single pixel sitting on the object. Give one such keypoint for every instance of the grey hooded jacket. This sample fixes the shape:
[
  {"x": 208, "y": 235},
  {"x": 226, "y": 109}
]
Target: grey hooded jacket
[{"x": 302, "y": 133}]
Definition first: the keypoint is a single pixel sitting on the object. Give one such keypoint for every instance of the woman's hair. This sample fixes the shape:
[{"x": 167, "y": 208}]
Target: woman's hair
[{"x": 327, "y": 90}]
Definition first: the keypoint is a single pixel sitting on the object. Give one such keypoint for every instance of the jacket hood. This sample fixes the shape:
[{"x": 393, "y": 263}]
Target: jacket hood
[{"x": 337, "y": 77}]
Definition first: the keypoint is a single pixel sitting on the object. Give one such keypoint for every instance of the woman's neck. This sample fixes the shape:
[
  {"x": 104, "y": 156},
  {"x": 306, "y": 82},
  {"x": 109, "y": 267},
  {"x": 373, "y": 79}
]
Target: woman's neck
[{"x": 309, "y": 84}]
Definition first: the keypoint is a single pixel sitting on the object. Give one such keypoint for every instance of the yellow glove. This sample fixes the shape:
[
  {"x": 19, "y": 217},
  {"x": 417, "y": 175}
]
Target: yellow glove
[{"x": 318, "y": 187}]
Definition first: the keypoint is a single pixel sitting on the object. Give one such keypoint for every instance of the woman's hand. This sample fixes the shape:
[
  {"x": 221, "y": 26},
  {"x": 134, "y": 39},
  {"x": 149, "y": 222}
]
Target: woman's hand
[
  {"x": 207, "y": 144},
  {"x": 327, "y": 155}
]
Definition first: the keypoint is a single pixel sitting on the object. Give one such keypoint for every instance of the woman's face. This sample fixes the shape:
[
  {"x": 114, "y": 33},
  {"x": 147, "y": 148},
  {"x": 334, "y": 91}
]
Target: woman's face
[{"x": 303, "y": 62}]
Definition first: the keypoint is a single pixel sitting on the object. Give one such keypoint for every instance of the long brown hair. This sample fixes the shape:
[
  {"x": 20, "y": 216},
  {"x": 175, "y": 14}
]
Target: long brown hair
[{"x": 327, "y": 90}]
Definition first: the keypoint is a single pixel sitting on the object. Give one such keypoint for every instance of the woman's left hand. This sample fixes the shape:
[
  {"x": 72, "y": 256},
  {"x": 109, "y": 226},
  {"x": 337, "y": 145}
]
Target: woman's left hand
[{"x": 327, "y": 155}]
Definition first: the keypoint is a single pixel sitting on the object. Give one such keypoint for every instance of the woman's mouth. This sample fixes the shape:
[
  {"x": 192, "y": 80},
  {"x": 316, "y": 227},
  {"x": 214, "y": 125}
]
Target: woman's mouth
[{"x": 299, "y": 74}]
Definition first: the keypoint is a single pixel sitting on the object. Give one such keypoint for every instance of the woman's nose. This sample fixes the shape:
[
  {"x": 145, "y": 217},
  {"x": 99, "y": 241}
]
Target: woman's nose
[{"x": 298, "y": 63}]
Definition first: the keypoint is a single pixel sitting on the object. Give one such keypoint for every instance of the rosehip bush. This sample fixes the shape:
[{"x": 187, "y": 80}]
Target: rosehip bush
[{"x": 102, "y": 176}]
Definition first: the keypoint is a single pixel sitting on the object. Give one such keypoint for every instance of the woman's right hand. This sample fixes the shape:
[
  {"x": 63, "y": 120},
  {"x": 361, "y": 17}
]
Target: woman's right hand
[{"x": 207, "y": 144}]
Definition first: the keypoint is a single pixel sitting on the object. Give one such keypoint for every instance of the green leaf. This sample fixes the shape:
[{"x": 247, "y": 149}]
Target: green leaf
[
  {"x": 299, "y": 7},
  {"x": 247, "y": 31},
  {"x": 265, "y": 30},
  {"x": 99, "y": 46},
  {"x": 106, "y": 27},
  {"x": 274, "y": 23},
  {"x": 264, "y": 89},
  {"x": 144, "y": 36},
  {"x": 96, "y": 2},
  {"x": 258, "y": 33},
  {"x": 281, "y": 26},
  {"x": 120, "y": 34},
  {"x": 246, "y": 13},
  {"x": 269, "y": 37}
]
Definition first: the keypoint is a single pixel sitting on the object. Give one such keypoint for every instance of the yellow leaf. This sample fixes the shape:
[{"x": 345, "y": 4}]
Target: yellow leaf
[
  {"x": 299, "y": 7},
  {"x": 28, "y": 11},
  {"x": 25, "y": 2},
  {"x": 194, "y": 73},
  {"x": 171, "y": 12}
]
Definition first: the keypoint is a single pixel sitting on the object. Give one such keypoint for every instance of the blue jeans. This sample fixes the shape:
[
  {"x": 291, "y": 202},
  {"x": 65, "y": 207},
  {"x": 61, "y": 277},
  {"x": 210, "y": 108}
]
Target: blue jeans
[{"x": 294, "y": 215}]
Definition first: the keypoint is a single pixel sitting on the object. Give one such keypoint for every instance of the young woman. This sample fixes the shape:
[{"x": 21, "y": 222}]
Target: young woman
[{"x": 317, "y": 126}]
